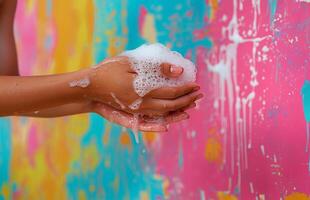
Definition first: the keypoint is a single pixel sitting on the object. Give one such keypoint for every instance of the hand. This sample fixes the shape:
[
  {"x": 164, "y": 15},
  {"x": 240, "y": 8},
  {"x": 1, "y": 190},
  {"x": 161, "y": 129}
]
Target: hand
[
  {"x": 127, "y": 119},
  {"x": 111, "y": 82}
]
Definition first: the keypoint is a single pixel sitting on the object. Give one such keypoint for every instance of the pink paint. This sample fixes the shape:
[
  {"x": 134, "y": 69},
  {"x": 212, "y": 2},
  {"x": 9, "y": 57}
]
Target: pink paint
[
  {"x": 278, "y": 126},
  {"x": 32, "y": 144},
  {"x": 27, "y": 36},
  {"x": 143, "y": 13}
]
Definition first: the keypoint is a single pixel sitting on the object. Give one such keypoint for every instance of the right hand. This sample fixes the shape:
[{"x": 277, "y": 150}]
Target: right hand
[
  {"x": 114, "y": 77},
  {"x": 126, "y": 119}
]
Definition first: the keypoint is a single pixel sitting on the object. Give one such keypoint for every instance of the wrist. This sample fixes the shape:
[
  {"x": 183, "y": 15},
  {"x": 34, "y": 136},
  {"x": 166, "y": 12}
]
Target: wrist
[{"x": 80, "y": 84}]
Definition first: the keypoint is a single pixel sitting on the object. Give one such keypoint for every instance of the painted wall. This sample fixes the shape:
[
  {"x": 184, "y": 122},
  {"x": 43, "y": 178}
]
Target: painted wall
[{"x": 249, "y": 138}]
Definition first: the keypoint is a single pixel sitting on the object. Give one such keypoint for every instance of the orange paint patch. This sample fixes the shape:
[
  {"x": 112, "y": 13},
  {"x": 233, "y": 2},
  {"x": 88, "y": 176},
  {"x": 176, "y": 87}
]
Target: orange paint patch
[
  {"x": 225, "y": 196},
  {"x": 214, "y": 7},
  {"x": 297, "y": 196},
  {"x": 124, "y": 140},
  {"x": 149, "y": 137},
  {"x": 213, "y": 150}
]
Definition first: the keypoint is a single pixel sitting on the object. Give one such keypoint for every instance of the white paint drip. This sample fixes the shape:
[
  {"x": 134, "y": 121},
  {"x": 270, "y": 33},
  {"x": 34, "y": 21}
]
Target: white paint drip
[
  {"x": 136, "y": 127},
  {"x": 251, "y": 187},
  {"x": 202, "y": 195},
  {"x": 307, "y": 1},
  {"x": 228, "y": 93},
  {"x": 83, "y": 83},
  {"x": 262, "y": 148},
  {"x": 118, "y": 101}
]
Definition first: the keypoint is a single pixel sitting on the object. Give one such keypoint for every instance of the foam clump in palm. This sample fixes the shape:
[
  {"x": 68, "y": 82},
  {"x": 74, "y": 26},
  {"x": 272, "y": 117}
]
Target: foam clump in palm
[{"x": 146, "y": 61}]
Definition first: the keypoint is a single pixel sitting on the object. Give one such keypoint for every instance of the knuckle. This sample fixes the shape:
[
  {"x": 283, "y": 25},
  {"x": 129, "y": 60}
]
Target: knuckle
[{"x": 165, "y": 106}]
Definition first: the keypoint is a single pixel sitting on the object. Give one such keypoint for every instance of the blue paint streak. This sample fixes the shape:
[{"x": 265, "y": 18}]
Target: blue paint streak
[
  {"x": 273, "y": 8},
  {"x": 5, "y": 152},
  {"x": 305, "y": 91},
  {"x": 134, "y": 169},
  {"x": 181, "y": 156},
  {"x": 49, "y": 7}
]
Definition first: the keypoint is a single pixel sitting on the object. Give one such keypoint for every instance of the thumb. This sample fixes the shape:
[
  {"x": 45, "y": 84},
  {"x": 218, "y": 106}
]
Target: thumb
[{"x": 171, "y": 71}]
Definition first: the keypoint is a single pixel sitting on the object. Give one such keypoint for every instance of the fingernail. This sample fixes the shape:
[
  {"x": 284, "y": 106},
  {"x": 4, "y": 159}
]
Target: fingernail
[
  {"x": 176, "y": 70},
  {"x": 196, "y": 88},
  {"x": 193, "y": 105},
  {"x": 199, "y": 96},
  {"x": 184, "y": 116}
]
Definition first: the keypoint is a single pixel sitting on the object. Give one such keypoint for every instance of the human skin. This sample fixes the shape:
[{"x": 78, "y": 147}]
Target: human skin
[{"x": 52, "y": 96}]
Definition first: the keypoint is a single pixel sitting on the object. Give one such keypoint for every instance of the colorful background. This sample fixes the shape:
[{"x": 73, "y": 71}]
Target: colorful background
[{"x": 248, "y": 139}]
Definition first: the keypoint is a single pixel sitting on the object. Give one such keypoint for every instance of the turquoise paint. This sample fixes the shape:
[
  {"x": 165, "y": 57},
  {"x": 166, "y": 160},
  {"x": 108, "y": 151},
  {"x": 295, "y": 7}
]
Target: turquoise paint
[
  {"x": 135, "y": 169},
  {"x": 177, "y": 28},
  {"x": 104, "y": 22},
  {"x": 181, "y": 156},
  {"x": 306, "y": 99},
  {"x": 273, "y": 8},
  {"x": 5, "y": 152}
]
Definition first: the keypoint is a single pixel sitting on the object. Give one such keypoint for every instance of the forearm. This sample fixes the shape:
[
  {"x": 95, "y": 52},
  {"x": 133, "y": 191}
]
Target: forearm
[
  {"x": 60, "y": 111},
  {"x": 30, "y": 94}
]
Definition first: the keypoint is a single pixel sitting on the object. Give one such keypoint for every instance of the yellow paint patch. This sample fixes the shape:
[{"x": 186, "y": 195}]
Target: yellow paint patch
[
  {"x": 115, "y": 184},
  {"x": 73, "y": 49},
  {"x": 82, "y": 195},
  {"x": 213, "y": 150},
  {"x": 30, "y": 6},
  {"x": 225, "y": 196},
  {"x": 90, "y": 158},
  {"x": 148, "y": 29},
  {"x": 297, "y": 196},
  {"x": 5, "y": 191},
  {"x": 144, "y": 195},
  {"x": 92, "y": 188}
]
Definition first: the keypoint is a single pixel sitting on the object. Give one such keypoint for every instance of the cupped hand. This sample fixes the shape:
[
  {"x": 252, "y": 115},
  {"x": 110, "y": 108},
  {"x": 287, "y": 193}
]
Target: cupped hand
[
  {"x": 128, "y": 120},
  {"x": 111, "y": 83}
]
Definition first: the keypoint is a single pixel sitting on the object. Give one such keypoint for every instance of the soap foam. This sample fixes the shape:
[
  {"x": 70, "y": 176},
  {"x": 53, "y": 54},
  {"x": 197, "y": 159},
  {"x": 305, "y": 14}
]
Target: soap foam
[
  {"x": 118, "y": 101},
  {"x": 146, "y": 61},
  {"x": 136, "y": 104},
  {"x": 83, "y": 83}
]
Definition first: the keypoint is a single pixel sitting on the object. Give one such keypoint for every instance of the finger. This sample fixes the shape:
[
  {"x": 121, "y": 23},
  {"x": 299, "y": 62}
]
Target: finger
[
  {"x": 173, "y": 92},
  {"x": 176, "y": 117},
  {"x": 193, "y": 105},
  {"x": 170, "y": 70},
  {"x": 126, "y": 119},
  {"x": 171, "y": 105},
  {"x": 152, "y": 127}
]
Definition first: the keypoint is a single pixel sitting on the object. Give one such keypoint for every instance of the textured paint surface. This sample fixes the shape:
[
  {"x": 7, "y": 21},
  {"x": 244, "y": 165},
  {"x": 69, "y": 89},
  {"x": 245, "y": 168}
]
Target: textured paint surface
[{"x": 248, "y": 139}]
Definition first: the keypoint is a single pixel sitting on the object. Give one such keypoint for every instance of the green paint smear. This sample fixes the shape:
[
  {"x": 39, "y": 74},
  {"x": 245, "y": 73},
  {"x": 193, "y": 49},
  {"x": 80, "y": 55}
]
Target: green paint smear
[{"x": 306, "y": 99}]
